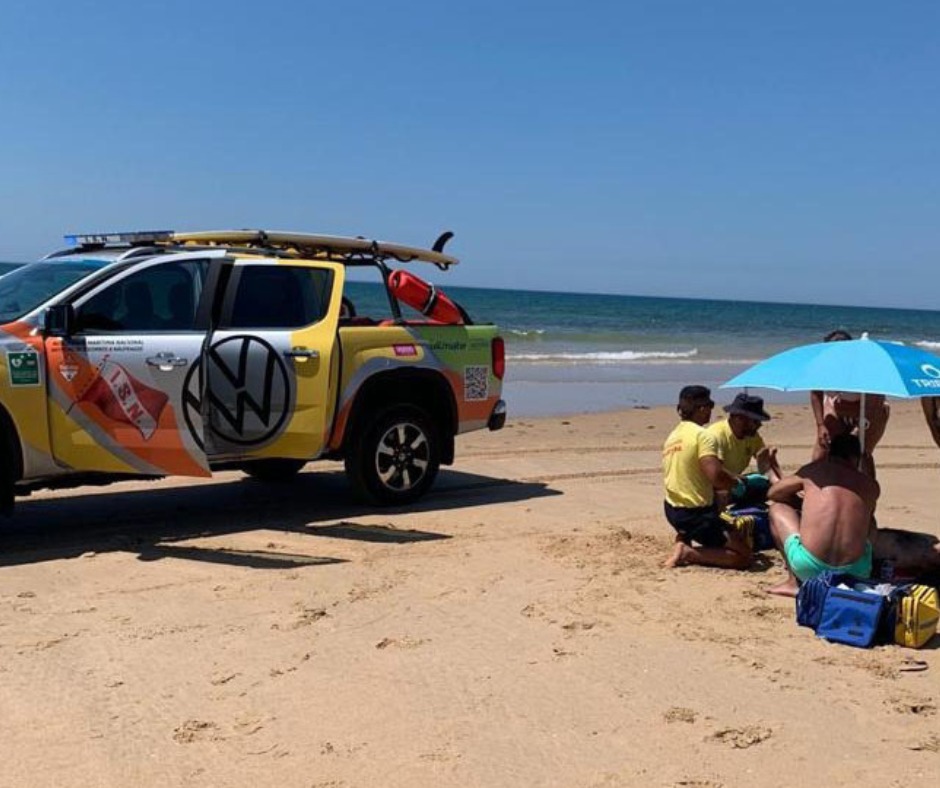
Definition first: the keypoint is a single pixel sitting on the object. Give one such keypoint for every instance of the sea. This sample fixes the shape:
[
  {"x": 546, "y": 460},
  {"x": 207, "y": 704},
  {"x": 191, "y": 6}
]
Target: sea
[{"x": 570, "y": 353}]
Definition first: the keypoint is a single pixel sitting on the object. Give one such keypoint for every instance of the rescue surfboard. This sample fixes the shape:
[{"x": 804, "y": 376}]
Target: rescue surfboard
[{"x": 314, "y": 245}]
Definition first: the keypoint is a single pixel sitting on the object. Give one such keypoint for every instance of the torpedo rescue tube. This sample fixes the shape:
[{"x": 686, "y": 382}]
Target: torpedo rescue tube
[{"x": 425, "y": 297}]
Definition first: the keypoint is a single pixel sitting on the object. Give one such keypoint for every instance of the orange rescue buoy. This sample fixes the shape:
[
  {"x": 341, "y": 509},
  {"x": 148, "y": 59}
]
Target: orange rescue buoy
[{"x": 424, "y": 297}]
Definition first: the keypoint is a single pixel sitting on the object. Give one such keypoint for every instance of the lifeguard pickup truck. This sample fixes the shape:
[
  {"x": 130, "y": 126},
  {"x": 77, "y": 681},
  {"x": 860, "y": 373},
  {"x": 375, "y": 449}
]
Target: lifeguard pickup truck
[{"x": 163, "y": 353}]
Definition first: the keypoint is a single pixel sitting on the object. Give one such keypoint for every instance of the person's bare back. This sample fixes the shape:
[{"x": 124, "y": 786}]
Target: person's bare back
[
  {"x": 832, "y": 530},
  {"x": 838, "y": 504}
]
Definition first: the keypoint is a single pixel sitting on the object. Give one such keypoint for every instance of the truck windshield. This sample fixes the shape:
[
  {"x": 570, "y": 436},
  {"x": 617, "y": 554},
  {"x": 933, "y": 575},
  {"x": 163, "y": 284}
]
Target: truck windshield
[{"x": 26, "y": 288}]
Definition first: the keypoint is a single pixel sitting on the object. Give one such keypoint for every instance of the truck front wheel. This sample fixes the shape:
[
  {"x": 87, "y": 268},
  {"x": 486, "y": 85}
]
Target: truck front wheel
[
  {"x": 396, "y": 457},
  {"x": 9, "y": 466},
  {"x": 274, "y": 469}
]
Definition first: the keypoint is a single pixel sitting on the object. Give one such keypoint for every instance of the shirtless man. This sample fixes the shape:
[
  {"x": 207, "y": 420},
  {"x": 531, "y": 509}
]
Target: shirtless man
[{"x": 833, "y": 531}]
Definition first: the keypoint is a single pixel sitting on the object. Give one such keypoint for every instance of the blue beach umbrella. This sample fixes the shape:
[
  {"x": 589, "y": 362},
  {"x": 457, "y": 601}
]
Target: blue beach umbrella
[
  {"x": 864, "y": 366},
  {"x": 858, "y": 365}
]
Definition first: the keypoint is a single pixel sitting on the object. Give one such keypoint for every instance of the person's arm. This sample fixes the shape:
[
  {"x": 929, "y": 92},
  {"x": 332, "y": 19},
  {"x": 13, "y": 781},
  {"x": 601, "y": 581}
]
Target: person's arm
[
  {"x": 931, "y": 406},
  {"x": 767, "y": 464},
  {"x": 786, "y": 489},
  {"x": 716, "y": 474},
  {"x": 873, "y": 522},
  {"x": 874, "y": 495},
  {"x": 709, "y": 460},
  {"x": 822, "y": 434}
]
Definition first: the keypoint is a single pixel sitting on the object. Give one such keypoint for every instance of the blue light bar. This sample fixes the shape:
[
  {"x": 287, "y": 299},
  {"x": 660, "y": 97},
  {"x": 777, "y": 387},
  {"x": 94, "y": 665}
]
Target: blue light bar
[{"x": 104, "y": 239}]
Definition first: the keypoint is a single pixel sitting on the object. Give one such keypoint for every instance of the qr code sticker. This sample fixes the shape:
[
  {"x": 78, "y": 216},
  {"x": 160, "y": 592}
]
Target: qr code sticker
[{"x": 475, "y": 383}]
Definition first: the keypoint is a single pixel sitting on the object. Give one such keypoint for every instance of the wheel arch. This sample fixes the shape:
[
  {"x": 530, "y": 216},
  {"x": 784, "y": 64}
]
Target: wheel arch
[{"x": 423, "y": 388}]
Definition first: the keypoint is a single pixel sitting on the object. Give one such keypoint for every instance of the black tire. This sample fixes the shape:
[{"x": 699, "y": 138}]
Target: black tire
[
  {"x": 11, "y": 464},
  {"x": 274, "y": 470},
  {"x": 395, "y": 458}
]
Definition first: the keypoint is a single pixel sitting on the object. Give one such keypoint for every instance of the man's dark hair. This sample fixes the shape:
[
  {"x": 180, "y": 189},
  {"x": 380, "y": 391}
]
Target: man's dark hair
[
  {"x": 845, "y": 447},
  {"x": 838, "y": 335},
  {"x": 691, "y": 397}
]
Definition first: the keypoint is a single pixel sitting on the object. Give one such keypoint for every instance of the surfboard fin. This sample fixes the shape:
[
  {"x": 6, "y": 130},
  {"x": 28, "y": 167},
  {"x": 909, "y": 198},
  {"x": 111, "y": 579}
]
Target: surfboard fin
[{"x": 441, "y": 241}]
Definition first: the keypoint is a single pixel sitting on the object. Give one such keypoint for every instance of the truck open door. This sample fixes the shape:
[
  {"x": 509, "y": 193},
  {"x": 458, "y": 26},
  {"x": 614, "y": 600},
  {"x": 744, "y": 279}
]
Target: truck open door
[{"x": 269, "y": 360}]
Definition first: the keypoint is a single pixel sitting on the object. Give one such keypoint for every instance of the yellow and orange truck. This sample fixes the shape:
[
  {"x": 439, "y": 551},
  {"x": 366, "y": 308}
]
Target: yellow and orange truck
[{"x": 152, "y": 354}]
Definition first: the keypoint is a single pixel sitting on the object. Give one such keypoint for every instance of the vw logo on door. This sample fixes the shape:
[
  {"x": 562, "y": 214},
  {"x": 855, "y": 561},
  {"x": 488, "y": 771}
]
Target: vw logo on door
[{"x": 248, "y": 390}]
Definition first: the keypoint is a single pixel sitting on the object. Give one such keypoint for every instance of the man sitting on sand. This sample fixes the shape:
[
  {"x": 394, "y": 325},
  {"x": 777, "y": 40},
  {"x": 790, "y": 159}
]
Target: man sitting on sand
[
  {"x": 691, "y": 474},
  {"x": 832, "y": 533},
  {"x": 739, "y": 441}
]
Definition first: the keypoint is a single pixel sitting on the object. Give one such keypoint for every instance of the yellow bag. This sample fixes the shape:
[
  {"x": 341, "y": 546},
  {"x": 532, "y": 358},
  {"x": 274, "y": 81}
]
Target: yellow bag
[
  {"x": 753, "y": 523},
  {"x": 918, "y": 614},
  {"x": 738, "y": 524}
]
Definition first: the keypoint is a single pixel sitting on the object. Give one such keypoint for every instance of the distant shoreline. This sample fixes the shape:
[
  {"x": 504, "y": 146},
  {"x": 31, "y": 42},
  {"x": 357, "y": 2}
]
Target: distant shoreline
[{"x": 563, "y": 398}]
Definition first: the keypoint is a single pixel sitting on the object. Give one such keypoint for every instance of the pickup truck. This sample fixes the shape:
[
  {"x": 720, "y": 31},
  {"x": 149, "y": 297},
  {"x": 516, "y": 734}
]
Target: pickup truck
[{"x": 150, "y": 354}]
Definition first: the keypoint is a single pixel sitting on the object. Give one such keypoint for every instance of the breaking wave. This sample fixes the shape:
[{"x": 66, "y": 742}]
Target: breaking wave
[
  {"x": 603, "y": 357},
  {"x": 533, "y": 333}
]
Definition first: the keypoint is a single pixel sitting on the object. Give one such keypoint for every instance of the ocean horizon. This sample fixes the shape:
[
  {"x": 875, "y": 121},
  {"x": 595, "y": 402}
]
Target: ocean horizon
[{"x": 570, "y": 353}]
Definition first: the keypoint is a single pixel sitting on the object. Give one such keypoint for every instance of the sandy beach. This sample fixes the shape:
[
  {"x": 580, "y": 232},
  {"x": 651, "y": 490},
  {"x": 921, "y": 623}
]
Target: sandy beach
[{"x": 514, "y": 629}]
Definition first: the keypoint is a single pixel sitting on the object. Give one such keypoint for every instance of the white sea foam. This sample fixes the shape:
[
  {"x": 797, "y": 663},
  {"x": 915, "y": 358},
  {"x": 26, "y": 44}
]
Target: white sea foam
[
  {"x": 534, "y": 332},
  {"x": 602, "y": 357},
  {"x": 927, "y": 344}
]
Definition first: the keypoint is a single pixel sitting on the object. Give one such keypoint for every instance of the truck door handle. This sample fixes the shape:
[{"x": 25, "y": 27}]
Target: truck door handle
[
  {"x": 166, "y": 361},
  {"x": 301, "y": 353}
]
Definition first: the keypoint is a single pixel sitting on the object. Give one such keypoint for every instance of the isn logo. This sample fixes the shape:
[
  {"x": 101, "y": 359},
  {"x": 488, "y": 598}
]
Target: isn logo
[{"x": 932, "y": 379}]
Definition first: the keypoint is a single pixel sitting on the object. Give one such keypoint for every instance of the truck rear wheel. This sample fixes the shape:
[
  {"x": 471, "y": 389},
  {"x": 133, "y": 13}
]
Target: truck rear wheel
[
  {"x": 275, "y": 469},
  {"x": 396, "y": 457}
]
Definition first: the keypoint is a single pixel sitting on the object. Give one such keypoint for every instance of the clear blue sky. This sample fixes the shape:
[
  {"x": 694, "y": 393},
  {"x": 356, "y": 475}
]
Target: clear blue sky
[{"x": 738, "y": 149}]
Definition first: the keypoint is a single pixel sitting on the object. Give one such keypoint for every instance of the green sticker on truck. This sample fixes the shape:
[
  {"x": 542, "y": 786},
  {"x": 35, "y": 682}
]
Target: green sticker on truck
[{"x": 23, "y": 368}]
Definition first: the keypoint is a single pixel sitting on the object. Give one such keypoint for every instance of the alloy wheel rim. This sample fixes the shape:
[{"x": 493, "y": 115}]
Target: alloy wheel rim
[{"x": 402, "y": 457}]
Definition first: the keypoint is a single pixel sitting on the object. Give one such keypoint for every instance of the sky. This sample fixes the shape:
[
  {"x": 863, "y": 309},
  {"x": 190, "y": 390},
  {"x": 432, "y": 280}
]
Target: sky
[{"x": 728, "y": 149}]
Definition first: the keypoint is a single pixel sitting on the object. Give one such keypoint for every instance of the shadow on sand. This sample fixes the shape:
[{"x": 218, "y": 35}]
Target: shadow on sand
[{"x": 148, "y": 521}]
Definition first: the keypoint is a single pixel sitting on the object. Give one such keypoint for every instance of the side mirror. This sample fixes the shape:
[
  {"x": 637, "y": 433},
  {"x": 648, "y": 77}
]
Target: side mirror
[{"x": 59, "y": 321}]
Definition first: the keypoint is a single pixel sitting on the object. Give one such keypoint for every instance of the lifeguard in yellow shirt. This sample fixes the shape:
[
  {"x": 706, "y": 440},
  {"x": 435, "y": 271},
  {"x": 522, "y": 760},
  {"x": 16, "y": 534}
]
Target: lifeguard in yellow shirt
[
  {"x": 692, "y": 471},
  {"x": 738, "y": 442}
]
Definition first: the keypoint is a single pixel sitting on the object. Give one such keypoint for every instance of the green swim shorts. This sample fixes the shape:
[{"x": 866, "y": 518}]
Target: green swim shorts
[{"x": 805, "y": 565}]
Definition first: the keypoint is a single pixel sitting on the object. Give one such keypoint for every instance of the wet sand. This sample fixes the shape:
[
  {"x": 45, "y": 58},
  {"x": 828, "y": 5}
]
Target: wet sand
[{"x": 514, "y": 629}]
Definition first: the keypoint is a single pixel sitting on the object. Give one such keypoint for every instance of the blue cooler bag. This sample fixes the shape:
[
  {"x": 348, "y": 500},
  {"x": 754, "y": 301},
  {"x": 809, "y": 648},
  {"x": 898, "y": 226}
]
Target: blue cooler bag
[
  {"x": 842, "y": 615},
  {"x": 851, "y": 617}
]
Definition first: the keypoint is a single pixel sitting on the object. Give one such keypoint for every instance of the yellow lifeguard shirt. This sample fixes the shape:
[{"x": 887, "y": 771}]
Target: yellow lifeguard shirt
[
  {"x": 686, "y": 484},
  {"x": 735, "y": 453}
]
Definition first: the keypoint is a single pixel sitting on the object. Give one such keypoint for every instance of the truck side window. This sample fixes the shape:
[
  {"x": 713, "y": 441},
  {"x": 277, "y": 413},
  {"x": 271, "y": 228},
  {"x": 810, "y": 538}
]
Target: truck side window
[
  {"x": 279, "y": 296},
  {"x": 158, "y": 298}
]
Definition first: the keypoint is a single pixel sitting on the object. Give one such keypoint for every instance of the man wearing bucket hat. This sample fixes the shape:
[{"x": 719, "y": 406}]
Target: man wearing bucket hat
[{"x": 738, "y": 441}]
